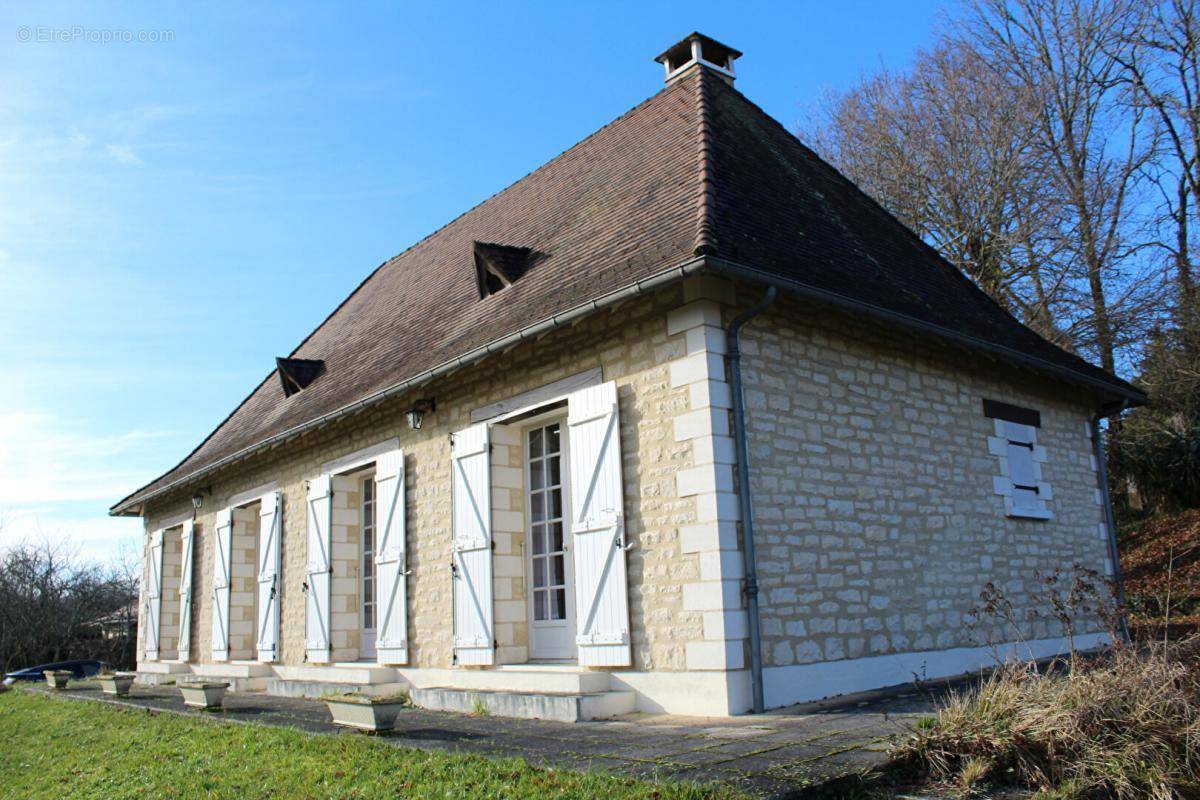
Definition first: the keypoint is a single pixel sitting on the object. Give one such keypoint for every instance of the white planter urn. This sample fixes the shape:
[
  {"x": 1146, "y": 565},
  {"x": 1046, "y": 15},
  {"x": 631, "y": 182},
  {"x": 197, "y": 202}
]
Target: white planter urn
[
  {"x": 203, "y": 694},
  {"x": 366, "y": 713},
  {"x": 118, "y": 683},
  {"x": 57, "y": 678}
]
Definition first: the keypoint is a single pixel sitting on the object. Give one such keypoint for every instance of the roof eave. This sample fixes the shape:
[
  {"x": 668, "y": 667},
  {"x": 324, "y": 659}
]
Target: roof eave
[
  {"x": 127, "y": 506},
  {"x": 1118, "y": 392},
  {"x": 1117, "y": 389}
]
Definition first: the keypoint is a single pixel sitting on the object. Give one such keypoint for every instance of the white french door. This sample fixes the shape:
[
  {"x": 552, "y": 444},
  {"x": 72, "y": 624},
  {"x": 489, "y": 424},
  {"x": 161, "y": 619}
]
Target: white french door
[
  {"x": 551, "y": 598},
  {"x": 367, "y": 594}
]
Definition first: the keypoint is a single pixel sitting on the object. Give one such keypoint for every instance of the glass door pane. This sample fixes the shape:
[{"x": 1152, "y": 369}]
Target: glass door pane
[
  {"x": 367, "y": 604},
  {"x": 547, "y": 551}
]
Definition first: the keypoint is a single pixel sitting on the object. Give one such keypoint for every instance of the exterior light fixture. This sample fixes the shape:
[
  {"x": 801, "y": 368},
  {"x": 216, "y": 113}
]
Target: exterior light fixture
[
  {"x": 416, "y": 414},
  {"x": 198, "y": 497}
]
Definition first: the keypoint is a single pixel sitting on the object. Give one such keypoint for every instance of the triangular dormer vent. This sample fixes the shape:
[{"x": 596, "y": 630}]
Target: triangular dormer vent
[
  {"x": 297, "y": 373},
  {"x": 498, "y": 266}
]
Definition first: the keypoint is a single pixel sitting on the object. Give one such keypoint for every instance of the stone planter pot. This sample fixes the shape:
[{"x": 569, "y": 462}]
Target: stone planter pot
[
  {"x": 118, "y": 683},
  {"x": 365, "y": 713},
  {"x": 57, "y": 678},
  {"x": 207, "y": 695}
]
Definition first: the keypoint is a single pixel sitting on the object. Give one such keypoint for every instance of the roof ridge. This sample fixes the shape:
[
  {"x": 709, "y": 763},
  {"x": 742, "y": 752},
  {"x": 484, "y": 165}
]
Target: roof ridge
[{"x": 706, "y": 234}]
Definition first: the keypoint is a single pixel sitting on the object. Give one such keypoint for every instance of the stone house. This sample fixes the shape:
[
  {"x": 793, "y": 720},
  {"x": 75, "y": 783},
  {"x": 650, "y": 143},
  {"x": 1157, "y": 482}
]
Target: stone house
[{"x": 680, "y": 421}]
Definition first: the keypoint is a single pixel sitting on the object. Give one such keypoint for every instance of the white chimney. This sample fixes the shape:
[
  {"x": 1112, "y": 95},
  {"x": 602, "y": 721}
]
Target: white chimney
[{"x": 697, "y": 50}]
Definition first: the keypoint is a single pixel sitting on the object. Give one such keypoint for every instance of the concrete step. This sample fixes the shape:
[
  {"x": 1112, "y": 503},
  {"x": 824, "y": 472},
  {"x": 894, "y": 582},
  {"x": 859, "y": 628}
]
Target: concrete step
[
  {"x": 161, "y": 673},
  {"x": 349, "y": 673},
  {"x": 225, "y": 670},
  {"x": 163, "y": 667},
  {"x": 552, "y": 678},
  {"x": 564, "y": 707},
  {"x": 242, "y": 676},
  {"x": 160, "y": 678},
  {"x": 319, "y": 689},
  {"x": 236, "y": 684}
]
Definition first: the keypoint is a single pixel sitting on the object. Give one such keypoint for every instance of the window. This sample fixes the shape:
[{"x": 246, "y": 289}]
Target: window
[
  {"x": 1020, "y": 458},
  {"x": 546, "y": 524},
  {"x": 368, "y": 553}
]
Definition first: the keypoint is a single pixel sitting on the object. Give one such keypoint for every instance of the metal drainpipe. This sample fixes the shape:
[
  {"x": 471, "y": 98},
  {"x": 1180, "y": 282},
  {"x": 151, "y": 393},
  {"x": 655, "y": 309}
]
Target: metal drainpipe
[
  {"x": 1102, "y": 476},
  {"x": 743, "y": 467}
]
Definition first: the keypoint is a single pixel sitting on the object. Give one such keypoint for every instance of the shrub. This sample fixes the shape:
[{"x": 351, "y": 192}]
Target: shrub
[{"x": 1126, "y": 726}]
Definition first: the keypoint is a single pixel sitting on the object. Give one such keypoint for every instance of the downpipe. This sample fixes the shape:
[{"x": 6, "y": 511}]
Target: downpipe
[
  {"x": 1110, "y": 523},
  {"x": 734, "y": 355}
]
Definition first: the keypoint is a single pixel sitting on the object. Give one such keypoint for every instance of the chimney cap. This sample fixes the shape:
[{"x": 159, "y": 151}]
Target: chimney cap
[{"x": 696, "y": 48}]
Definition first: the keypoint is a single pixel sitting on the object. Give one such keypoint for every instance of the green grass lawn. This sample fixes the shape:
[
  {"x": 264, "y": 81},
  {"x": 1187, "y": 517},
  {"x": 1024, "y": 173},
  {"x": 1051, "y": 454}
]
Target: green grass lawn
[{"x": 54, "y": 747}]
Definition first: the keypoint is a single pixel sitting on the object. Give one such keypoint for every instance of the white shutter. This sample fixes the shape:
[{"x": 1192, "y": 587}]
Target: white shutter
[
  {"x": 154, "y": 595},
  {"x": 391, "y": 644},
  {"x": 1024, "y": 473},
  {"x": 186, "y": 540},
  {"x": 319, "y": 570},
  {"x": 472, "y": 545},
  {"x": 270, "y": 529},
  {"x": 222, "y": 554},
  {"x": 598, "y": 527}
]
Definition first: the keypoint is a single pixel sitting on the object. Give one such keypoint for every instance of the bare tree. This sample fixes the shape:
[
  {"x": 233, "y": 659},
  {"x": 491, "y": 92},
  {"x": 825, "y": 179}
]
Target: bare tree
[
  {"x": 1160, "y": 56},
  {"x": 1068, "y": 55},
  {"x": 1017, "y": 148},
  {"x": 52, "y": 607},
  {"x": 952, "y": 150}
]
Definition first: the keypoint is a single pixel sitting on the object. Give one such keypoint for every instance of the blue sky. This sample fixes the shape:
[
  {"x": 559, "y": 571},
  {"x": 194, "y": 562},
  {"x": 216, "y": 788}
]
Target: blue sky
[{"x": 179, "y": 209}]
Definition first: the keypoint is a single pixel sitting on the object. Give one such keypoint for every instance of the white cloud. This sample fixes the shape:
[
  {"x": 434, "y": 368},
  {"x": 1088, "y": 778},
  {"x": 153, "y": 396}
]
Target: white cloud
[
  {"x": 123, "y": 154},
  {"x": 44, "y": 462},
  {"x": 57, "y": 480},
  {"x": 96, "y": 538},
  {"x": 50, "y": 149}
]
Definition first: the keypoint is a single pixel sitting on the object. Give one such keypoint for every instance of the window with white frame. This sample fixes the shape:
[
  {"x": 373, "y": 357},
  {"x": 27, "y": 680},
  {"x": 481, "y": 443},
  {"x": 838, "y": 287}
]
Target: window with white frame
[{"x": 1020, "y": 458}]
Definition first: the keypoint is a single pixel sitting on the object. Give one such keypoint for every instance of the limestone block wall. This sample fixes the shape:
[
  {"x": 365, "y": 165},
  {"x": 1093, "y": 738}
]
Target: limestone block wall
[
  {"x": 172, "y": 565},
  {"x": 508, "y": 532},
  {"x": 632, "y": 345},
  {"x": 243, "y": 589},
  {"x": 345, "y": 624},
  {"x": 202, "y": 588},
  {"x": 877, "y": 523}
]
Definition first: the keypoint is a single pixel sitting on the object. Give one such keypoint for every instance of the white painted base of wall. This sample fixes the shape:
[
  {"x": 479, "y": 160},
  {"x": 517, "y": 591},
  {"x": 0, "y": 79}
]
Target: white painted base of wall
[
  {"x": 801, "y": 683},
  {"x": 695, "y": 693}
]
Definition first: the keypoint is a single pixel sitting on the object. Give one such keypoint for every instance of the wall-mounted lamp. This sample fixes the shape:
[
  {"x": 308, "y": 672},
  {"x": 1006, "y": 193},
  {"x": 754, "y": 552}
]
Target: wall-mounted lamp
[
  {"x": 416, "y": 414},
  {"x": 198, "y": 497}
]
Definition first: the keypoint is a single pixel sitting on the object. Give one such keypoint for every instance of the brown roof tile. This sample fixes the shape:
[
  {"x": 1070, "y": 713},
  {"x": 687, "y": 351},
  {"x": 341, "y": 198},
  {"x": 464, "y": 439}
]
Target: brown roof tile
[{"x": 696, "y": 169}]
